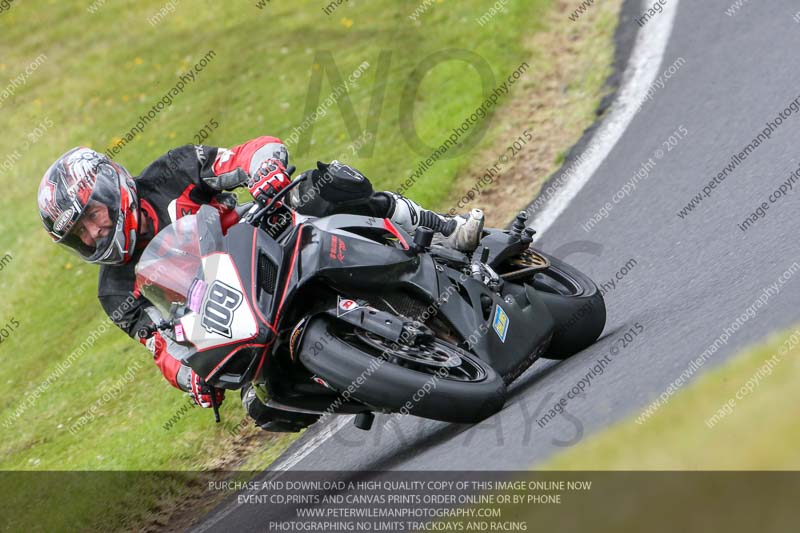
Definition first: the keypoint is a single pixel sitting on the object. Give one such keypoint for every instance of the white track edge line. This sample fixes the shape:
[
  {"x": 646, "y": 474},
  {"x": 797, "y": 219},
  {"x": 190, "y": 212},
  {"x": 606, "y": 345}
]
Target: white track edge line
[{"x": 646, "y": 58}]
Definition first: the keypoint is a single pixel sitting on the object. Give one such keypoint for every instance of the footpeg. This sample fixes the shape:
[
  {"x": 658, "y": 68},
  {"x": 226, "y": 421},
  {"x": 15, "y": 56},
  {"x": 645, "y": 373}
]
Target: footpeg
[
  {"x": 364, "y": 421},
  {"x": 422, "y": 239}
]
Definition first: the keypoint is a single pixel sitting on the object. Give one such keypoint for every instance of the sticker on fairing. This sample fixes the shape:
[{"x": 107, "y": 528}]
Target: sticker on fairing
[
  {"x": 500, "y": 323},
  {"x": 218, "y": 310},
  {"x": 345, "y": 306},
  {"x": 318, "y": 380},
  {"x": 180, "y": 336}
]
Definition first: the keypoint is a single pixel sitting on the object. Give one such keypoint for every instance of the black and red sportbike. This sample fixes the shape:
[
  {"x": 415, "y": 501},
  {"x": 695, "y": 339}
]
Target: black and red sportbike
[{"x": 348, "y": 314}]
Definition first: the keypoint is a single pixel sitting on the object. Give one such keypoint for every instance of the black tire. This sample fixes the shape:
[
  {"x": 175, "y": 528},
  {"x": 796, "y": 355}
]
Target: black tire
[
  {"x": 576, "y": 305},
  {"x": 391, "y": 386}
]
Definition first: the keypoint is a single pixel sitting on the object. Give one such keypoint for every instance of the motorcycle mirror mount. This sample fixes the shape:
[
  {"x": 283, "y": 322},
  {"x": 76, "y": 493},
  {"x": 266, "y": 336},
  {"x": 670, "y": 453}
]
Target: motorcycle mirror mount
[{"x": 528, "y": 236}]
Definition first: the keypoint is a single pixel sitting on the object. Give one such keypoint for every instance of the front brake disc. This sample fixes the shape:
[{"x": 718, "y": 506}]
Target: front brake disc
[{"x": 431, "y": 354}]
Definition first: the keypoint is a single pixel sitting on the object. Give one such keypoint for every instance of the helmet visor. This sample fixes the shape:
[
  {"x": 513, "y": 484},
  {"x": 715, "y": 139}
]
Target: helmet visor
[{"x": 91, "y": 232}]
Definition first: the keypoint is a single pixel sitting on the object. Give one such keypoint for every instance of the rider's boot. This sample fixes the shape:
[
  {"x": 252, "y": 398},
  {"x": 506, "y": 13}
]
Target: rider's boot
[{"x": 461, "y": 232}]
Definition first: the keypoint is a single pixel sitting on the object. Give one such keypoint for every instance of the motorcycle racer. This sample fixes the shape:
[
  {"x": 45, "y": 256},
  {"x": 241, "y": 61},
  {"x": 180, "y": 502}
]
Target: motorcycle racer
[{"x": 97, "y": 209}]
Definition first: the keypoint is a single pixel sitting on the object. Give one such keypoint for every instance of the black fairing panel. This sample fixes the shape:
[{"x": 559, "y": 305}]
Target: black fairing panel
[
  {"x": 340, "y": 250},
  {"x": 348, "y": 260},
  {"x": 524, "y": 313},
  {"x": 350, "y": 263},
  {"x": 250, "y": 249},
  {"x": 363, "y": 263}
]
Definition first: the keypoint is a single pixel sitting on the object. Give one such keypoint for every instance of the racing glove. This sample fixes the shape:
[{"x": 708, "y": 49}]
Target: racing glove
[
  {"x": 166, "y": 363},
  {"x": 268, "y": 180},
  {"x": 180, "y": 376},
  {"x": 201, "y": 392}
]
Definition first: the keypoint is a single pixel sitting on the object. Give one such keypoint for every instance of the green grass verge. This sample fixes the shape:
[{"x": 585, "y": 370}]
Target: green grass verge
[{"x": 740, "y": 416}]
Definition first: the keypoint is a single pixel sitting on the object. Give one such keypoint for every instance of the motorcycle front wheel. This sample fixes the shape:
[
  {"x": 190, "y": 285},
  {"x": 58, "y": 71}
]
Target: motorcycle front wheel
[{"x": 431, "y": 379}]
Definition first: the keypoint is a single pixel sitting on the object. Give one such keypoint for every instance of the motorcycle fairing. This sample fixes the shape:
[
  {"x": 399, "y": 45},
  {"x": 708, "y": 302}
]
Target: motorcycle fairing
[
  {"x": 473, "y": 309},
  {"x": 468, "y": 306},
  {"x": 353, "y": 254},
  {"x": 259, "y": 259}
]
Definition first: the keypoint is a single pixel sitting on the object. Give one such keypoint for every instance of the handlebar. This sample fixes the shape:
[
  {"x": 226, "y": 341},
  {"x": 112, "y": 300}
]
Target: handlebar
[
  {"x": 242, "y": 209},
  {"x": 254, "y": 218},
  {"x": 145, "y": 332}
]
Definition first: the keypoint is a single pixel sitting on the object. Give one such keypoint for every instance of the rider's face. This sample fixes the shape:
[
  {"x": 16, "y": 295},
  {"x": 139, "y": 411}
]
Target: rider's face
[{"x": 94, "y": 225}]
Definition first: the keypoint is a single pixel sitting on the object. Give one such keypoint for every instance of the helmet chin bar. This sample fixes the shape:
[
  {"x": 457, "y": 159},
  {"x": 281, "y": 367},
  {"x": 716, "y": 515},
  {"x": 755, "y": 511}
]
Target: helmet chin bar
[
  {"x": 128, "y": 252},
  {"x": 106, "y": 257},
  {"x": 117, "y": 253}
]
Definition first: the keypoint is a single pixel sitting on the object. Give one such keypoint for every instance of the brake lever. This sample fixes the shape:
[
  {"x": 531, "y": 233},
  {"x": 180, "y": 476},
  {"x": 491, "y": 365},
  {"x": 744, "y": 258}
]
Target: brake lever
[
  {"x": 214, "y": 404},
  {"x": 212, "y": 393}
]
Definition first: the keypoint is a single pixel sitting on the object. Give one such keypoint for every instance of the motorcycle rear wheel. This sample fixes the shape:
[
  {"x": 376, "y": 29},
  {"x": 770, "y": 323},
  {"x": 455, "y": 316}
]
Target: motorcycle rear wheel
[{"x": 575, "y": 303}]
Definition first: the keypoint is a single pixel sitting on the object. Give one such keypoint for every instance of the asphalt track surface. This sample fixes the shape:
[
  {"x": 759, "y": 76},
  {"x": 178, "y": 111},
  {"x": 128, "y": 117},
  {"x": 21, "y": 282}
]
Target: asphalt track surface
[{"x": 693, "y": 277}]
